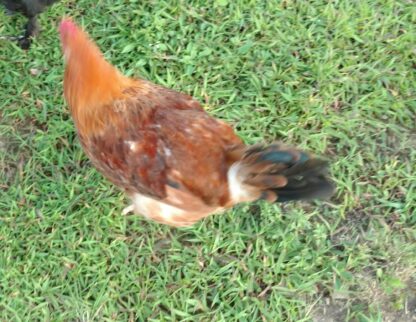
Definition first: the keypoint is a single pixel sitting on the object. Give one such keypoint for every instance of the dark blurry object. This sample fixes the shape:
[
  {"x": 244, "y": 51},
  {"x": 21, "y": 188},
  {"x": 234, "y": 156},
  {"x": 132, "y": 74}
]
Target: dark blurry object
[{"x": 30, "y": 9}]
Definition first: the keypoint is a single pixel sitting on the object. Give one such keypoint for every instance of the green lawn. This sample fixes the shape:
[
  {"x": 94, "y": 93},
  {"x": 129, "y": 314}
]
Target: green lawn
[{"x": 335, "y": 77}]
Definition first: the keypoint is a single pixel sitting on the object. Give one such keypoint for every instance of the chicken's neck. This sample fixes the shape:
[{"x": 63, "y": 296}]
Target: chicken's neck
[{"x": 91, "y": 86}]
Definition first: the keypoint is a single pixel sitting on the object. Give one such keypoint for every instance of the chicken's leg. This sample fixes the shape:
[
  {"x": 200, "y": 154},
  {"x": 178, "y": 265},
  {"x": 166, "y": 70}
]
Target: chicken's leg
[
  {"x": 32, "y": 29},
  {"x": 127, "y": 210}
]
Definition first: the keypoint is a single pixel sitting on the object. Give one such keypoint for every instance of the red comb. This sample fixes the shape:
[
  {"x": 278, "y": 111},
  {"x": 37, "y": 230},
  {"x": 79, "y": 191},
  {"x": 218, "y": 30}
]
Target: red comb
[{"x": 67, "y": 27}]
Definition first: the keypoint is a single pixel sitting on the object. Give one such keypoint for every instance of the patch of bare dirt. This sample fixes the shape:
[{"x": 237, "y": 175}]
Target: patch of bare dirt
[
  {"x": 372, "y": 297},
  {"x": 408, "y": 314},
  {"x": 331, "y": 311},
  {"x": 337, "y": 311},
  {"x": 7, "y": 170}
]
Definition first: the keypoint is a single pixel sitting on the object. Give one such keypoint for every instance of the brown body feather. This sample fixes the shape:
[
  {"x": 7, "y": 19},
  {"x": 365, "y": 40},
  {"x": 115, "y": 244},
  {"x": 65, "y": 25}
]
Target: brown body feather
[{"x": 159, "y": 145}]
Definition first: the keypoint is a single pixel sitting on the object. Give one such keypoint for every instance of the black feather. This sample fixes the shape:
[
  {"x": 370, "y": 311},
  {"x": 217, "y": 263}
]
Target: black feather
[
  {"x": 306, "y": 180},
  {"x": 307, "y": 176},
  {"x": 277, "y": 156}
]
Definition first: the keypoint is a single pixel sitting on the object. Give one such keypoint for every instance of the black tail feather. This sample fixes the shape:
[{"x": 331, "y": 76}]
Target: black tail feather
[
  {"x": 307, "y": 176},
  {"x": 306, "y": 181}
]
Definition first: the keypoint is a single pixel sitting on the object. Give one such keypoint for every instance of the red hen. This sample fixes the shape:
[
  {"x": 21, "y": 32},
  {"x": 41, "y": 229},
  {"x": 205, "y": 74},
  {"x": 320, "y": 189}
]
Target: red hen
[{"x": 177, "y": 163}]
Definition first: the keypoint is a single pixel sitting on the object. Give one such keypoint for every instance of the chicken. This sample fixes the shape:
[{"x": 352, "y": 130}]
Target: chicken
[
  {"x": 31, "y": 9},
  {"x": 177, "y": 163}
]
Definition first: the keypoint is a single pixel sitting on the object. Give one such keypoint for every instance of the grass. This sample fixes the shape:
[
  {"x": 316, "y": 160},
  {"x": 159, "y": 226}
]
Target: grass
[{"x": 336, "y": 77}]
